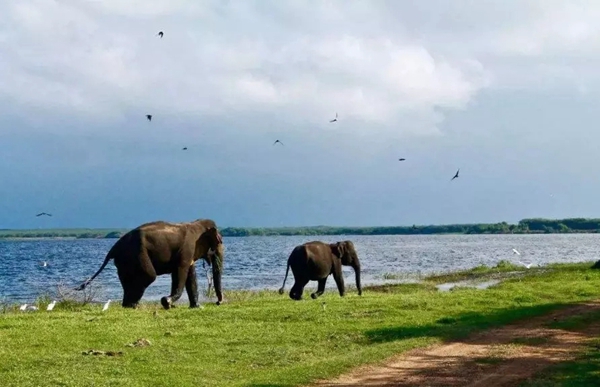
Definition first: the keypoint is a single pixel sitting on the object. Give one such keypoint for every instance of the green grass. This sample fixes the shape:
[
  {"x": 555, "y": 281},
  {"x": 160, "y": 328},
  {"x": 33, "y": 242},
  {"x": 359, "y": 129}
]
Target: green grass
[
  {"x": 262, "y": 338},
  {"x": 501, "y": 270}
]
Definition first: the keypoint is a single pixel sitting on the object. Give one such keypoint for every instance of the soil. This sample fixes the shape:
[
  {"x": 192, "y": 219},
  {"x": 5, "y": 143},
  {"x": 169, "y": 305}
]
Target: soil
[{"x": 505, "y": 356}]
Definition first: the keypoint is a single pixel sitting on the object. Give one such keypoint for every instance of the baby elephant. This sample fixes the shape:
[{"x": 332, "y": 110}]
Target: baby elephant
[{"x": 314, "y": 261}]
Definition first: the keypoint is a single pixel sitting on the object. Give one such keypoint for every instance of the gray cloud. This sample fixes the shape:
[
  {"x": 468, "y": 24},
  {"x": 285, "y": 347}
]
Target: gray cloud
[
  {"x": 383, "y": 65},
  {"x": 306, "y": 60}
]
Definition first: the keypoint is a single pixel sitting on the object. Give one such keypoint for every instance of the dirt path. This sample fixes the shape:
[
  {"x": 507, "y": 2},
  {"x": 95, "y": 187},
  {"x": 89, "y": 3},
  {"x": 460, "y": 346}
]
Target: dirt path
[{"x": 500, "y": 357}]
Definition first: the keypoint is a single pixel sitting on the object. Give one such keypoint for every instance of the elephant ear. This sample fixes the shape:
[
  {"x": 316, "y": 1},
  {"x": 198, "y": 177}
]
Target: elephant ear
[
  {"x": 337, "y": 249},
  {"x": 214, "y": 236}
]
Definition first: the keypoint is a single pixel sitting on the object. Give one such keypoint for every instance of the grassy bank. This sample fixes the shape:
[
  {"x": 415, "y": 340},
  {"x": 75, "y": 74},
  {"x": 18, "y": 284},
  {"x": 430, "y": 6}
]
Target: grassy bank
[
  {"x": 264, "y": 339},
  {"x": 525, "y": 226}
]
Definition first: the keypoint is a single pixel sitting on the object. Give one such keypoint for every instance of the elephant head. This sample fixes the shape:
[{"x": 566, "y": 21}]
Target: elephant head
[
  {"x": 210, "y": 240},
  {"x": 347, "y": 253}
]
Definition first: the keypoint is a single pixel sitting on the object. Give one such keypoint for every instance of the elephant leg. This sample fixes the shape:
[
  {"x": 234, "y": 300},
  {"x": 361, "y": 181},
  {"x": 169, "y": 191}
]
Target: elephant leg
[
  {"x": 133, "y": 288},
  {"x": 191, "y": 287},
  {"x": 339, "y": 281},
  {"x": 178, "y": 279},
  {"x": 132, "y": 294},
  {"x": 320, "y": 288},
  {"x": 298, "y": 288}
]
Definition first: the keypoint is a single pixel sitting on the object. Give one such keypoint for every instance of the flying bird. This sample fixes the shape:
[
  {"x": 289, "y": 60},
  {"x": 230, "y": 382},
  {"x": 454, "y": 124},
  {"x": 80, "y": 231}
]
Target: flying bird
[
  {"x": 516, "y": 252},
  {"x": 160, "y": 33},
  {"x": 44, "y": 213},
  {"x": 401, "y": 159},
  {"x": 455, "y": 176},
  {"x": 277, "y": 141},
  {"x": 149, "y": 117},
  {"x": 44, "y": 263},
  {"x": 184, "y": 148},
  {"x": 335, "y": 119}
]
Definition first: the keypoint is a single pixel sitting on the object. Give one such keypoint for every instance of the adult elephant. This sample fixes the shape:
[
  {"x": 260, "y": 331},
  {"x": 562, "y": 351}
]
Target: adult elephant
[
  {"x": 315, "y": 261},
  {"x": 157, "y": 248}
]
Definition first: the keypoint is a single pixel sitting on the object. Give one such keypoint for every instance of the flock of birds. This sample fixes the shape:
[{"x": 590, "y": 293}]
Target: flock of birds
[
  {"x": 400, "y": 159},
  {"x": 160, "y": 34},
  {"x": 27, "y": 307}
]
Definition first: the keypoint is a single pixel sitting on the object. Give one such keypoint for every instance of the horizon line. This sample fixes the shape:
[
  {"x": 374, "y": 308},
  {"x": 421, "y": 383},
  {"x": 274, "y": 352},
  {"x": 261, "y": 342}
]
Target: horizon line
[{"x": 313, "y": 226}]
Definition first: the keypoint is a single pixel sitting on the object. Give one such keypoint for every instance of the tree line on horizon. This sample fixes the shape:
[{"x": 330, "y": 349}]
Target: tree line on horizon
[{"x": 525, "y": 226}]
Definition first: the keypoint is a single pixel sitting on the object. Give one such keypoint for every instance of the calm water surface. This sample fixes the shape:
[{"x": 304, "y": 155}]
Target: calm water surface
[{"x": 260, "y": 262}]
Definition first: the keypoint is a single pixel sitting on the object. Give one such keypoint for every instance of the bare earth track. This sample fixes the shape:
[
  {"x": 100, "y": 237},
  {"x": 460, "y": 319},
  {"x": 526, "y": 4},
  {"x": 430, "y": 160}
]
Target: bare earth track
[{"x": 504, "y": 356}]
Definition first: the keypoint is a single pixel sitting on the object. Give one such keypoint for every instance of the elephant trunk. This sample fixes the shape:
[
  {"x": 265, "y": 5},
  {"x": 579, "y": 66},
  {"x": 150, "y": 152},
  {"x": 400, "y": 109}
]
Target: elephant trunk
[
  {"x": 217, "y": 270},
  {"x": 356, "y": 268}
]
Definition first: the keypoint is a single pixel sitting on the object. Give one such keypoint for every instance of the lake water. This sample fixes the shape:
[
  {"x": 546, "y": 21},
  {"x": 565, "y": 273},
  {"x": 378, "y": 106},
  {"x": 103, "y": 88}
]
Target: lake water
[{"x": 260, "y": 262}]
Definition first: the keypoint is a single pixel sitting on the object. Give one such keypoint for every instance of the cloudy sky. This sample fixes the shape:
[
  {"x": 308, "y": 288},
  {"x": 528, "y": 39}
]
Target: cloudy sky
[{"x": 505, "y": 90}]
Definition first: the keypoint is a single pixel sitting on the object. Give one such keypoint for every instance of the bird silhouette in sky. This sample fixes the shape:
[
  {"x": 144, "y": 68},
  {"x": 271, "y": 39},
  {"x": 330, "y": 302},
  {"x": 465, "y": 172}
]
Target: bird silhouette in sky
[
  {"x": 455, "y": 176},
  {"x": 184, "y": 148},
  {"x": 149, "y": 117},
  {"x": 401, "y": 159},
  {"x": 335, "y": 119},
  {"x": 160, "y": 33},
  {"x": 277, "y": 141},
  {"x": 44, "y": 213}
]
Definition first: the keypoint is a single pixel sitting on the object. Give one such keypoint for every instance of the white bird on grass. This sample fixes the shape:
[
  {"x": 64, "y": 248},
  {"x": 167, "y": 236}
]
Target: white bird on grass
[
  {"x": 106, "y": 306},
  {"x": 25, "y": 307},
  {"x": 527, "y": 265},
  {"x": 51, "y": 305}
]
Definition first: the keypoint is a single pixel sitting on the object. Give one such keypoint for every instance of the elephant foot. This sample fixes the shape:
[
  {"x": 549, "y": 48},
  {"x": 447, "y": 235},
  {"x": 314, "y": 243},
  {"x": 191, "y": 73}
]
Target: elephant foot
[
  {"x": 129, "y": 305},
  {"x": 193, "y": 306},
  {"x": 166, "y": 302},
  {"x": 314, "y": 296}
]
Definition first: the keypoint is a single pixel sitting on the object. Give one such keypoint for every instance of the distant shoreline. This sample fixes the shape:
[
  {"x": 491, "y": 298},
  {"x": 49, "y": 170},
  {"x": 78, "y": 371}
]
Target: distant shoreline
[{"x": 525, "y": 226}]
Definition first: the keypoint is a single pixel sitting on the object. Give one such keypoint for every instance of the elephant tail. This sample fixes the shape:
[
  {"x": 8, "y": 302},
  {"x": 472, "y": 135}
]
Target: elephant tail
[
  {"x": 286, "y": 274},
  {"x": 87, "y": 282}
]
